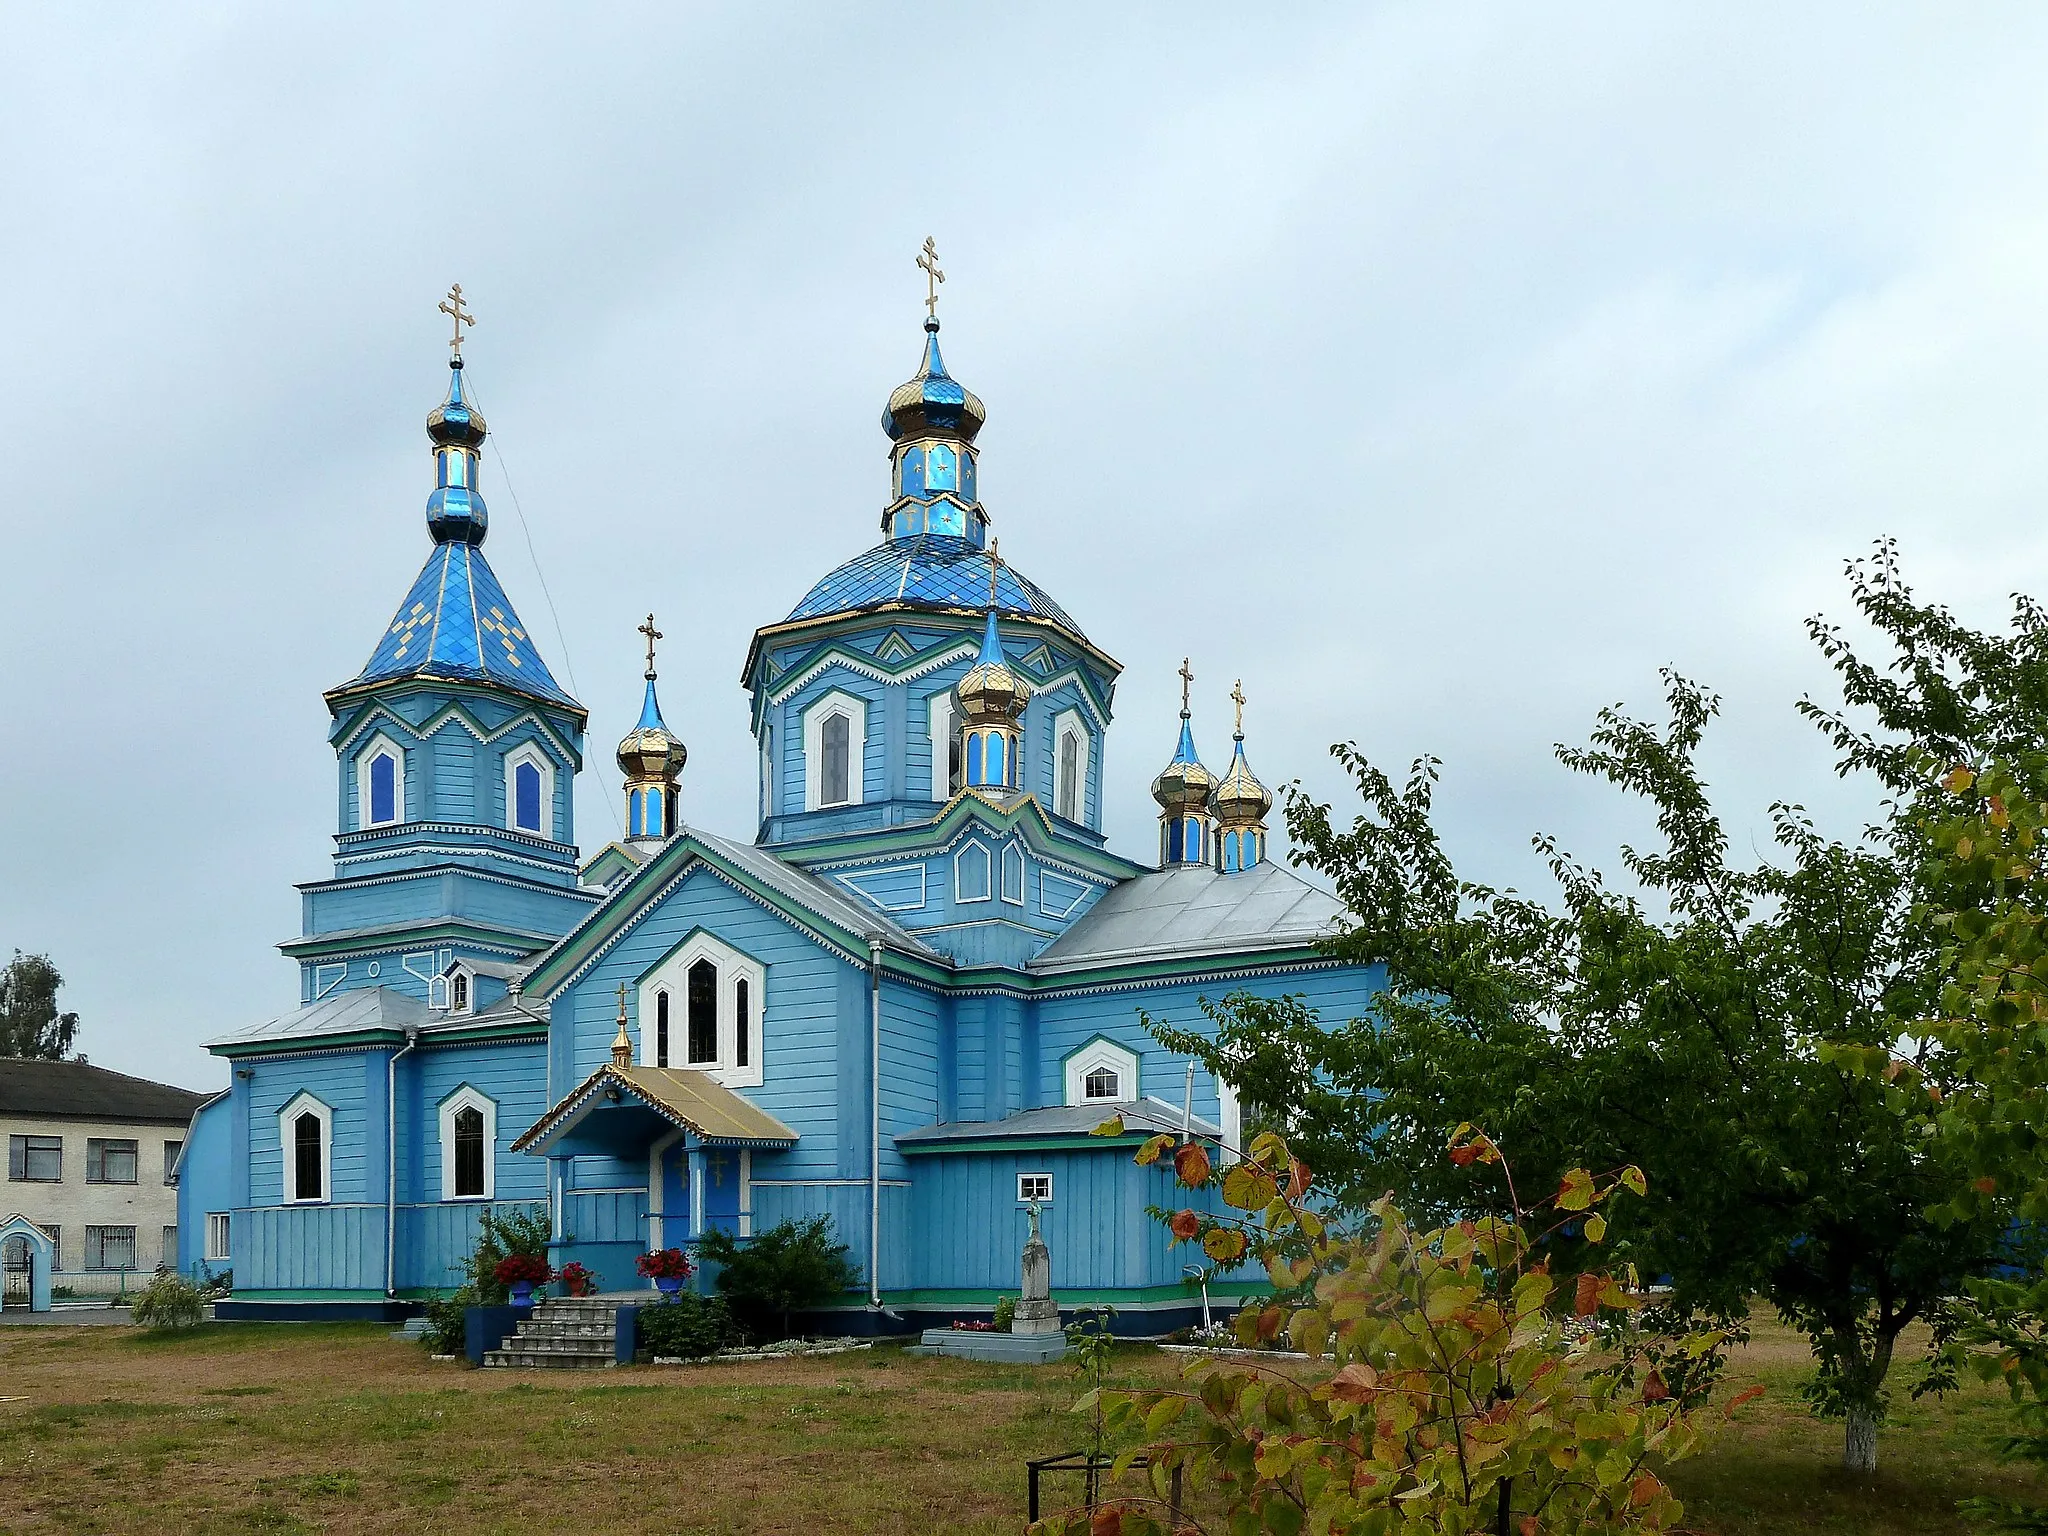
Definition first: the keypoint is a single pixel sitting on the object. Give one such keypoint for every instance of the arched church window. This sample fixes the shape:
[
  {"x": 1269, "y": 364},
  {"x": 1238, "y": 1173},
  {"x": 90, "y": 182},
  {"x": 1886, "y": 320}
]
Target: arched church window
[
  {"x": 835, "y": 777},
  {"x": 383, "y": 789},
  {"x": 526, "y": 797},
  {"x": 703, "y": 1005},
  {"x": 661, "y": 1029},
  {"x": 741, "y": 1049},
  {"x": 1067, "y": 799},
  {"x": 306, "y": 1159},
  {"x": 1103, "y": 1083},
  {"x": 458, "y": 992},
  {"x": 469, "y": 1152}
]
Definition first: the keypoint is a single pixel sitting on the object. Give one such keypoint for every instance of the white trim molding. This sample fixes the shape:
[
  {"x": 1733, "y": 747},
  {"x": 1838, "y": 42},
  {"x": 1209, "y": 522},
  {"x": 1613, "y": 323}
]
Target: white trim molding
[
  {"x": 1034, "y": 1187},
  {"x": 377, "y": 746},
  {"x": 528, "y": 754},
  {"x": 855, "y": 712},
  {"x": 939, "y": 727},
  {"x": 303, "y": 1103},
  {"x": 1099, "y": 1054},
  {"x": 672, "y": 976},
  {"x": 469, "y": 1097}
]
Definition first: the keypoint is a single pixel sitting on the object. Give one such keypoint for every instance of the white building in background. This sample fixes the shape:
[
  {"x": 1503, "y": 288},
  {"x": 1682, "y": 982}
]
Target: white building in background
[{"x": 91, "y": 1158}]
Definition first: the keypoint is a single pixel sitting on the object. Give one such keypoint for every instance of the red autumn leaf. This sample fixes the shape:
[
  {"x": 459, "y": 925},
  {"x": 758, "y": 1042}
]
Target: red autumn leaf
[
  {"x": 1746, "y": 1395},
  {"x": 1269, "y": 1323},
  {"x": 1184, "y": 1225},
  {"x": 1645, "y": 1489},
  {"x": 1586, "y": 1299},
  {"x": 1465, "y": 1157},
  {"x": 1191, "y": 1163},
  {"x": 1985, "y": 1186},
  {"x": 1654, "y": 1390},
  {"x": 1529, "y": 1525},
  {"x": 1297, "y": 1179},
  {"x": 1108, "y": 1521},
  {"x": 1355, "y": 1383}
]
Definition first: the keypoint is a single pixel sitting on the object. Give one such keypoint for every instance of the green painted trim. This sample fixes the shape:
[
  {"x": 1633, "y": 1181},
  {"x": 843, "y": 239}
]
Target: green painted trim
[
  {"x": 370, "y": 694},
  {"x": 1046, "y": 1143},
  {"x": 1146, "y": 1295},
  {"x": 829, "y": 626},
  {"x": 965, "y": 806},
  {"x": 1194, "y": 967},
  {"x": 371, "y": 1038},
  {"x": 315, "y": 1295},
  {"x": 410, "y": 936}
]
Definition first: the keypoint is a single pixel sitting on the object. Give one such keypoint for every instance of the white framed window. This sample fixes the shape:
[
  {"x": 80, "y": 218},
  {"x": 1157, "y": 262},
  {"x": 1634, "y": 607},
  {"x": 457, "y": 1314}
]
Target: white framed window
[
  {"x": 218, "y": 1236},
  {"x": 767, "y": 772},
  {"x": 469, "y": 1145},
  {"x": 1013, "y": 874},
  {"x": 453, "y": 991},
  {"x": 701, "y": 1008},
  {"x": 835, "y": 751},
  {"x": 971, "y": 874},
  {"x": 530, "y": 791},
  {"x": 380, "y": 784},
  {"x": 305, "y": 1137},
  {"x": 944, "y": 726},
  {"x": 1102, "y": 1072},
  {"x": 1034, "y": 1187},
  {"x": 1070, "y": 767}
]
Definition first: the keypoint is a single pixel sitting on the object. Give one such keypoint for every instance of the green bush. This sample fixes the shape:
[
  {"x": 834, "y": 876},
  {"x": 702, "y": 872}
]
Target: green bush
[
  {"x": 1006, "y": 1313},
  {"x": 447, "y": 1325},
  {"x": 169, "y": 1301},
  {"x": 687, "y": 1326},
  {"x": 523, "y": 1229},
  {"x": 789, "y": 1267}
]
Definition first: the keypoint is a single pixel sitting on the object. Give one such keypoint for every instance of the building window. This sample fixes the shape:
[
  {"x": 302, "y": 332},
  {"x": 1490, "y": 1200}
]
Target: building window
[
  {"x": 109, "y": 1247},
  {"x": 970, "y": 873},
  {"x": 56, "y": 1236},
  {"x": 169, "y": 1250},
  {"x": 469, "y": 1135},
  {"x": 740, "y": 1047},
  {"x": 703, "y": 1003},
  {"x": 171, "y": 1151},
  {"x": 1070, "y": 768},
  {"x": 835, "y": 738},
  {"x": 305, "y": 1138},
  {"x": 458, "y": 992},
  {"x": 110, "y": 1160},
  {"x": 1013, "y": 875},
  {"x": 36, "y": 1159},
  {"x": 661, "y": 1028},
  {"x": 1102, "y": 1083},
  {"x": 380, "y": 785},
  {"x": 1034, "y": 1188},
  {"x": 1101, "y": 1072},
  {"x": 945, "y": 740},
  {"x": 217, "y": 1233},
  {"x": 529, "y": 791}
]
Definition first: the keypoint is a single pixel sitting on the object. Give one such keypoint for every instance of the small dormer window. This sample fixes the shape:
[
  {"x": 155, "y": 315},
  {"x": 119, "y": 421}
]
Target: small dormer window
[
  {"x": 458, "y": 993},
  {"x": 1103, "y": 1083}
]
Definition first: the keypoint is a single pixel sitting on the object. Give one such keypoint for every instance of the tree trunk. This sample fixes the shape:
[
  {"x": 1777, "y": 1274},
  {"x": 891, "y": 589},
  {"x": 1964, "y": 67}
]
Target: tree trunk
[{"x": 1859, "y": 1446}]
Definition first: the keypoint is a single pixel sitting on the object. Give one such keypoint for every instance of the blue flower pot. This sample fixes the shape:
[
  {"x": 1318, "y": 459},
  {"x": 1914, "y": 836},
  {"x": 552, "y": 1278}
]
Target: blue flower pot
[
  {"x": 522, "y": 1293},
  {"x": 668, "y": 1285}
]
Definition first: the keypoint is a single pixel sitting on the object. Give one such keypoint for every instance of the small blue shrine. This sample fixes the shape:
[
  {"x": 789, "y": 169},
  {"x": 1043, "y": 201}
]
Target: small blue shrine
[{"x": 904, "y": 1001}]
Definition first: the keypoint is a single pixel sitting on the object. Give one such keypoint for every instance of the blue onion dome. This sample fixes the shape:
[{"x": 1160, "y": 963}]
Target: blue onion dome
[
  {"x": 993, "y": 692},
  {"x": 455, "y": 423},
  {"x": 932, "y": 402},
  {"x": 1240, "y": 799},
  {"x": 650, "y": 750},
  {"x": 1184, "y": 785},
  {"x": 940, "y": 571}
]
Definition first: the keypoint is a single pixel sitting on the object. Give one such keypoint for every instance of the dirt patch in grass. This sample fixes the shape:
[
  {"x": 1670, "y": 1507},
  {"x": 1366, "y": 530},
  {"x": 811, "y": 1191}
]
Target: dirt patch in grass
[{"x": 338, "y": 1427}]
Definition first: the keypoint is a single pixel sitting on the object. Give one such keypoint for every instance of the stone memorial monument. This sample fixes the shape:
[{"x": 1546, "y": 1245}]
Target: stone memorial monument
[{"x": 1035, "y": 1335}]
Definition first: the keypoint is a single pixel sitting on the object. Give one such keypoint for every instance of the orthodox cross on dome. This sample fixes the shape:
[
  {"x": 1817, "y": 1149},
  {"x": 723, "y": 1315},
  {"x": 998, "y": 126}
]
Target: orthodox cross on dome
[
  {"x": 622, "y": 1043},
  {"x": 929, "y": 260},
  {"x": 1187, "y": 681},
  {"x": 459, "y": 317},
  {"x": 995, "y": 568},
  {"x": 1237, "y": 698},
  {"x": 652, "y": 635}
]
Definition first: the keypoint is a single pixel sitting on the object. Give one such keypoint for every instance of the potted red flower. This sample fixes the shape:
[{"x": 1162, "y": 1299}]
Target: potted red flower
[
  {"x": 576, "y": 1280},
  {"x": 522, "y": 1272},
  {"x": 668, "y": 1268}
]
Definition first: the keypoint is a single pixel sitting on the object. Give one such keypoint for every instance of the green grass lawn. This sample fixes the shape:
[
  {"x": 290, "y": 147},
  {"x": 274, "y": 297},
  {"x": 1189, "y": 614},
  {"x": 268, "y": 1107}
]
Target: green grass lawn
[{"x": 337, "y": 1427}]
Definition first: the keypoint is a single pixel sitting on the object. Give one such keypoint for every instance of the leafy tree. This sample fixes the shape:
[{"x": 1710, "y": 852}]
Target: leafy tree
[
  {"x": 767, "y": 1277},
  {"x": 502, "y": 1232},
  {"x": 1459, "y": 1403},
  {"x": 169, "y": 1301},
  {"x": 1679, "y": 1029},
  {"x": 30, "y": 1024}
]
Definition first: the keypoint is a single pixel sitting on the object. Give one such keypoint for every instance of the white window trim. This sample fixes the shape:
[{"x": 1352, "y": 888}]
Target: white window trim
[
  {"x": 441, "y": 990},
  {"x": 380, "y": 743},
  {"x": 1026, "y": 1199},
  {"x": 767, "y": 771},
  {"x": 1069, "y": 723},
  {"x": 939, "y": 725},
  {"x": 529, "y": 753},
  {"x": 1013, "y": 857},
  {"x": 468, "y": 1097},
  {"x": 1101, "y": 1053},
  {"x": 673, "y": 975},
  {"x": 219, "y": 1224},
  {"x": 299, "y": 1104},
  {"x": 1230, "y": 1116},
  {"x": 989, "y": 885},
  {"x": 855, "y": 710}
]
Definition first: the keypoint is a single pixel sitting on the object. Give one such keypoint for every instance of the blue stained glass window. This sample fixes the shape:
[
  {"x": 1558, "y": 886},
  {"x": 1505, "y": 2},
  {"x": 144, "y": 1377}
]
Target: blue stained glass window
[
  {"x": 994, "y": 763},
  {"x": 1174, "y": 836},
  {"x": 383, "y": 789},
  {"x": 636, "y": 813},
  {"x": 526, "y": 797}
]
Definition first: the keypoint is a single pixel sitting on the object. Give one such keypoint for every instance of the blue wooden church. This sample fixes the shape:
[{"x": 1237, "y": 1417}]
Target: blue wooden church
[{"x": 903, "y": 1001}]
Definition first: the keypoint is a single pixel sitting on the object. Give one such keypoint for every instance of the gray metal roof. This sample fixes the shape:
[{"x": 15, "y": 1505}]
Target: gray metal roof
[
  {"x": 76, "y": 1090},
  {"x": 368, "y": 1010},
  {"x": 1147, "y": 1115},
  {"x": 1175, "y": 913},
  {"x": 824, "y": 897}
]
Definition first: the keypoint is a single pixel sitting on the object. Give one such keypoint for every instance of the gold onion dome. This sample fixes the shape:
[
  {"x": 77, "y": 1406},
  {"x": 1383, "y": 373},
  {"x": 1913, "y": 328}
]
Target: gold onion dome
[
  {"x": 1240, "y": 799},
  {"x": 992, "y": 692},
  {"x": 650, "y": 750},
  {"x": 455, "y": 423},
  {"x": 932, "y": 403},
  {"x": 1184, "y": 785}
]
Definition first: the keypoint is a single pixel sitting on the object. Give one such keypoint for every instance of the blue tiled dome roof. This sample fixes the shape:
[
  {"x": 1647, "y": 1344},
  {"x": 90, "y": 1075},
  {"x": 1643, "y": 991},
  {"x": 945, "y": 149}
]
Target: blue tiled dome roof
[{"x": 935, "y": 570}]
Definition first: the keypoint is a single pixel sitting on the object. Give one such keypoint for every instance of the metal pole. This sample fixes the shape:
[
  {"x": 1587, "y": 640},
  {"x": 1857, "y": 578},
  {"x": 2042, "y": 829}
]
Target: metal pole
[
  {"x": 875, "y": 1123},
  {"x": 391, "y": 1163}
]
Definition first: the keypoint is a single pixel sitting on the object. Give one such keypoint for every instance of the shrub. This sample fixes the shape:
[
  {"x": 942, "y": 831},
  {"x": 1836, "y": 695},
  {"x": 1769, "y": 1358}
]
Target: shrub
[
  {"x": 1006, "y": 1313},
  {"x": 447, "y": 1321},
  {"x": 687, "y": 1326},
  {"x": 169, "y": 1301},
  {"x": 789, "y": 1267},
  {"x": 518, "y": 1229}
]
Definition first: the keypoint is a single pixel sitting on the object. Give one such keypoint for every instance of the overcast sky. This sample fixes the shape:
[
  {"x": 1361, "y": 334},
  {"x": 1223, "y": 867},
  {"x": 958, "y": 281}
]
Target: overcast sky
[{"x": 1440, "y": 371}]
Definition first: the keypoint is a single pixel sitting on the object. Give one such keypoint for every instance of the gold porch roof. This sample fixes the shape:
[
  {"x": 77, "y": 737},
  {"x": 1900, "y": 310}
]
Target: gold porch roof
[{"x": 691, "y": 1100}]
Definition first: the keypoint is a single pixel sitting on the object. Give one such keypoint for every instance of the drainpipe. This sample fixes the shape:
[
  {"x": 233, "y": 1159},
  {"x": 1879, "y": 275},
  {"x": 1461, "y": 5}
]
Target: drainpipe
[
  {"x": 875, "y": 1122},
  {"x": 412, "y": 1038}
]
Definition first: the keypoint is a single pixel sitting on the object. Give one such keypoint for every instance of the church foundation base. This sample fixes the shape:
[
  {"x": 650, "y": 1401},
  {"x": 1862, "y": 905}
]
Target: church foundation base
[
  {"x": 1015, "y": 1348},
  {"x": 284, "y": 1310}
]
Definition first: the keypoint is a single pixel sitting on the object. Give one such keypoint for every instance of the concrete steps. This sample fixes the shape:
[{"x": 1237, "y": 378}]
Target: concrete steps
[{"x": 564, "y": 1333}]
